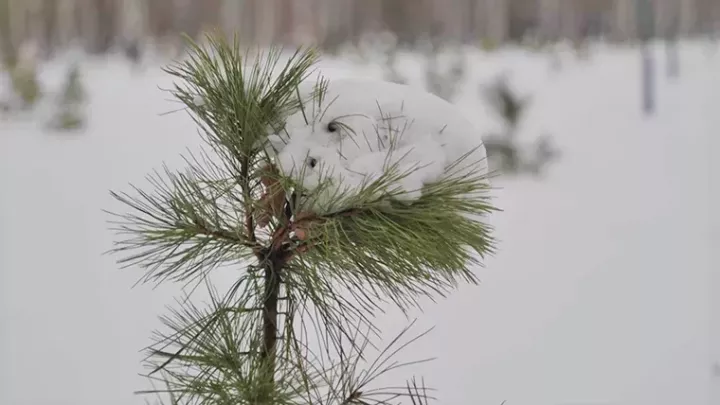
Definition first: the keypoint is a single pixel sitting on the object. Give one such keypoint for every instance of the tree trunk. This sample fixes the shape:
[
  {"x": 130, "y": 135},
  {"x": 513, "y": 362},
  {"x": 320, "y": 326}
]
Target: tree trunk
[
  {"x": 50, "y": 26},
  {"x": 9, "y": 53},
  {"x": 209, "y": 14},
  {"x": 407, "y": 19},
  {"x": 274, "y": 259},
  {"x": 161, "y": 15},
  {"x": 105, "y": 28}
]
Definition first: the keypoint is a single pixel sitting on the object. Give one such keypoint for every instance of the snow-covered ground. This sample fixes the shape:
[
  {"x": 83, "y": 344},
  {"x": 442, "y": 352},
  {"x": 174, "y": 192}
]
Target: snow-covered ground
[{"x": 601, "y": 293}]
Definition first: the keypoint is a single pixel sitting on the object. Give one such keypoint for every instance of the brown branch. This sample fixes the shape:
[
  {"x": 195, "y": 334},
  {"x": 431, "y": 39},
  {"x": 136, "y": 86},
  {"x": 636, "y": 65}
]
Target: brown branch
[{"x": 7, "y": 48}]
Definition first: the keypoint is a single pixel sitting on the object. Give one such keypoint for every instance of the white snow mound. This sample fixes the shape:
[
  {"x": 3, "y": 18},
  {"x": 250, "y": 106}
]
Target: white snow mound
[{"x": 361, "y": 127}]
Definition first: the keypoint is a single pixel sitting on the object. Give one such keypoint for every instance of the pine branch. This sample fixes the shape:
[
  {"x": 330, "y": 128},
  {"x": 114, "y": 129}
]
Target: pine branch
[
  {"x": 212, "y": 356},
  {"x": 186, "y": 227},
  {"x": 380, "y": 251},
  {"x": 240, "y": 101}
]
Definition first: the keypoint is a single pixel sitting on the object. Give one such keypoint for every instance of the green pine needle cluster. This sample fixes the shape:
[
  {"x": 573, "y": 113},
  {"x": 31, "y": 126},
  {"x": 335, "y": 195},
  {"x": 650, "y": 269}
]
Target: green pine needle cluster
[
  {"x": 295, "y": 326},
  {"x": 403, "y": 251}
]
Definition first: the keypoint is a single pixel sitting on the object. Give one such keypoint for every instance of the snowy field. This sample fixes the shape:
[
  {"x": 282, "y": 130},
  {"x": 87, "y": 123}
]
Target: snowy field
[{"x": 601, "y": 293}]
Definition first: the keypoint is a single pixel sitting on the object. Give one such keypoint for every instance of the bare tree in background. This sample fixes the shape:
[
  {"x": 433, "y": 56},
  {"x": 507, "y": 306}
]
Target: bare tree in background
[
  {"x": 106, "y": 25},
  {"x": 248, "y": 24},
  {"x": 286, "y": 18},
  {"x": 161, "y": 15},
  {"x": 9, "y": 53},
  {"x": 405, "y": 18},
  {"x": 49, "y": 26},
  {"x": 208, "y": 14}
]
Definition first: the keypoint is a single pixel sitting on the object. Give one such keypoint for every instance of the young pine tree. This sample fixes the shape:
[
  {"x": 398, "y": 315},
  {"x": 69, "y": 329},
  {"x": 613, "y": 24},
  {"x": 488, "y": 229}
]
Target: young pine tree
[
  {"x": 329, "y": 271},
  {"x": 70, "y": 102},
  {"x": 504, "y": 150}
]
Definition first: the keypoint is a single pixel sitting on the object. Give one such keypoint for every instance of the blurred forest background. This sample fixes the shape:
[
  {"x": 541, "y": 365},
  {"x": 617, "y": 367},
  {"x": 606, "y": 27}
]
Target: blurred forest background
[
  {"x": 101, "y": 25},
  {"x": 32, "y": 31}
]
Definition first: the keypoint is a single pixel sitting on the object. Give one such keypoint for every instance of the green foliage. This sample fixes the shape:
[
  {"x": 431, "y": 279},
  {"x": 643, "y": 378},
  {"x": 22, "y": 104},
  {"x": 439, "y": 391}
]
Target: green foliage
[
  {"x": 488, "y": 44},
  {"x": 251, "y": 344},
  {"x": 403, "y": 251},
  {"x": 68, "y": 120},
  {"x": 507, "y": 103},
  {"x": 70, "y": 102},
  {"x": 240, "y": 100},
  {"x": 73, "y": 91},
  {"x": 440, "y": 80},
  {"x": 503, "y": 150},
  {"x": 25, "y": 84}
]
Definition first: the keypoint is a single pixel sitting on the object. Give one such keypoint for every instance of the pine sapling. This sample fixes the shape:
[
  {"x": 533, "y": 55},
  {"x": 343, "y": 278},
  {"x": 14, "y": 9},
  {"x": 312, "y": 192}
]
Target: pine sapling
[
  {"x": 296, "y": 323},
  {"x": 70, "y": 102},
  {"x": 504, "y": 150}
]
